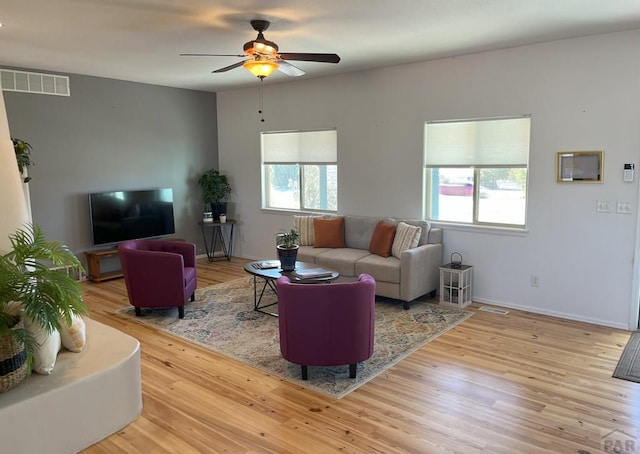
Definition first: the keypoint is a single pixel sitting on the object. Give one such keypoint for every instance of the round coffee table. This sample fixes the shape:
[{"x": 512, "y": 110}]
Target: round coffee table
[{"x": 270, "y": 271}]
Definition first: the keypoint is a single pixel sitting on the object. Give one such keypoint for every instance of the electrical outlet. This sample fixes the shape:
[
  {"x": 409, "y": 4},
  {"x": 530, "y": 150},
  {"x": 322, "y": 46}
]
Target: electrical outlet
[{"x": 535, "y": 281}]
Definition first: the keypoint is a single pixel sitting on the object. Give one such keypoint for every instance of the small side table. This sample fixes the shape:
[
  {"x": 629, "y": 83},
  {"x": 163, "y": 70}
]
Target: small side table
[
  {"x": 456, "y": 285},
  {"x": 217, "y": 237}
]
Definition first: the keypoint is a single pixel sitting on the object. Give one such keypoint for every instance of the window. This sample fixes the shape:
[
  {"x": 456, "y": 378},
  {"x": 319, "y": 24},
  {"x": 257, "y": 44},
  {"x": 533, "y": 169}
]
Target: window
[
  {"x": 476, "y": 171},
  {"x": 299, "y": 170}
]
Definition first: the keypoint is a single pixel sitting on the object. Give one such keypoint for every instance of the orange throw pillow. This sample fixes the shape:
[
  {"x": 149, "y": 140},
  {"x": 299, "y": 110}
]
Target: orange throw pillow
[
  {"x": 328, "y": 232},
  {"x": 382, "y": 239}
]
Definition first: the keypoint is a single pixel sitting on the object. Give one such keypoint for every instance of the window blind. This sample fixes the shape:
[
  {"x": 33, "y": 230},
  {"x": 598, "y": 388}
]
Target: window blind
[
  {"x": 478, "y": 143},
  {"x": 309, "y": 147}
]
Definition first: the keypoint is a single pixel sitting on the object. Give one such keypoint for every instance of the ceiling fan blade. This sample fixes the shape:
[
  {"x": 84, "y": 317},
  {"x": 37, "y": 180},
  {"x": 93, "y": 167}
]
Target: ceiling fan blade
[
  {"x": 227, "y": 68},
  {"x": 212, "y": 55},
  {"x": 322, "y": 58},
  {"x": 289, "y": 69}
]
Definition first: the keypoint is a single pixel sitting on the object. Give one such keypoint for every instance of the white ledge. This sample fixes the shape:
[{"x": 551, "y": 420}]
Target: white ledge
[{"x": 88, "y": 396}]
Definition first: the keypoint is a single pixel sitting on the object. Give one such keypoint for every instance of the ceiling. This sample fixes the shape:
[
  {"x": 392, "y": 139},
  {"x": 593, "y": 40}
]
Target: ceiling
[{"x": 140, "y": 40}]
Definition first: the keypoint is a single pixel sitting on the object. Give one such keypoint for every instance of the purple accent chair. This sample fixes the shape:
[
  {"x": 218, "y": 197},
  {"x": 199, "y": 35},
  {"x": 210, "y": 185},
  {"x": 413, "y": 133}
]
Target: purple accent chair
[
  {"x": 327, "y": 324},
  {"x": 159, "y": 273}
]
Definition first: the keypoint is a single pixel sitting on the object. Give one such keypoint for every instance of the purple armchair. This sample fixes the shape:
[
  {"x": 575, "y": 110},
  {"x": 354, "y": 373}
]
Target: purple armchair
[
  {"x": 159, "y": 273},
  {"x": 327, "y": 324}
]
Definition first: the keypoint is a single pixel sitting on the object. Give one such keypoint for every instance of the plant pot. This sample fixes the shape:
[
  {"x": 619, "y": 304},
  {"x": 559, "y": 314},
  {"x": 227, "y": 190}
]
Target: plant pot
[
  {"x": 287, "y": 257},
  {"x": 218, "y": 208},
  {"x": 13, "y": 360}
]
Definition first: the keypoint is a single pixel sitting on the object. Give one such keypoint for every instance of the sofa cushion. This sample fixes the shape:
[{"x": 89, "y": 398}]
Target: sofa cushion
[
  {"x": 46, "y": 352},
  {"x": 329, "y": 232},
  {"x": 407, "y": 237},
  {"x": 358, "y": 231},
  {"x": 423, "y": 238},
  {"x": 424, "y": 226},
  {"x": 435, "y": 236},
  {"x": 383, "y": 269},
  {"x": 342, "y": 260},
  {"x": 309, "y": 253},
  {"x": 382, "y": 239},
  {"x": 304, "y": 226},
  {"x": 74, "y": 336}
]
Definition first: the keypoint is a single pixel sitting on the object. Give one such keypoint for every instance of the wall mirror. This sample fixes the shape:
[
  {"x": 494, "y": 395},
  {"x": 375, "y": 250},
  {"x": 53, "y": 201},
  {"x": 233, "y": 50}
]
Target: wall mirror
[{"x": 580, "y": 167}]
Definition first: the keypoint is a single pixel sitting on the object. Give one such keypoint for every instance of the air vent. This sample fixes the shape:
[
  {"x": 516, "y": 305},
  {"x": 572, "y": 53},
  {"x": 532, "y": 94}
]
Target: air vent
[
  {"x": 45, "y": 84},
  {"x": 493, "y": 310}
]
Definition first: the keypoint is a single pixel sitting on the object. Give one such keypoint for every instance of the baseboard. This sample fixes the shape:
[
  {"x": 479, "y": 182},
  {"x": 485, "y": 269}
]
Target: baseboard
[{"x": 550, "y": 313}]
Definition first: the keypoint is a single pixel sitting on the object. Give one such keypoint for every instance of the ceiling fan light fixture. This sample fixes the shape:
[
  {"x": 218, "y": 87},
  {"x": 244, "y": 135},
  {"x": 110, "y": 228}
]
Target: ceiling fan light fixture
[
  {"x": 260, "y": 68},
  {"x": 264, "y": 49},
  {"x": 261, "y": 47}
]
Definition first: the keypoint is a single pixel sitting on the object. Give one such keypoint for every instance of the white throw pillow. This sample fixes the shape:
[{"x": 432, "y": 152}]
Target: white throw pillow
[
  {"x": 13, "y": 308},
  {"x": 73, "y": 337},
  {"x": 44, "y": 356},
  {"x": 407, "y": 237},
  {"x": 304, "y": 226}
]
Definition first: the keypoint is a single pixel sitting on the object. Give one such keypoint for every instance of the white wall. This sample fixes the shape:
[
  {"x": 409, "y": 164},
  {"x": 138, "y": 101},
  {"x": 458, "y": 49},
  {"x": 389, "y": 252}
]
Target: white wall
[
  {"x": 582, "y": 94},
  {"x": 13, "y": 203}
]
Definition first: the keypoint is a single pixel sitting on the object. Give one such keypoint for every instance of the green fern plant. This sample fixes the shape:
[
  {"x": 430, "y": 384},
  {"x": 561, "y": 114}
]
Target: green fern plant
[
  {"x": 28, "y": 277},
  {"x": 288, "y": 239}
]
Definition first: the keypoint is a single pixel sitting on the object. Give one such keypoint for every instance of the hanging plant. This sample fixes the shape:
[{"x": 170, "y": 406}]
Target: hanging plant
[{"x": 23, "y": 156}]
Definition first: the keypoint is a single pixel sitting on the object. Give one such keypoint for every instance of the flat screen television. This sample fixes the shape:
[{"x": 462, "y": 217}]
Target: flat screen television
[{"x": 128, "y": 215}]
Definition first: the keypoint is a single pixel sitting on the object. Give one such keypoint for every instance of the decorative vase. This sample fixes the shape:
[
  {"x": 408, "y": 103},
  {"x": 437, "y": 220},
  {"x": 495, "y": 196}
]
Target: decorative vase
[
  {"x": 287, "y": 257},
  {"x": 218, "y": 208},
  {"x": 223, "y": 218},
  {"x": 13, "y": 360}
]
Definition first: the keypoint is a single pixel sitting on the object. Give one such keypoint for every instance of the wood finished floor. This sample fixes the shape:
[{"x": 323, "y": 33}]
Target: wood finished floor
[{"x": 520, "y": 383}]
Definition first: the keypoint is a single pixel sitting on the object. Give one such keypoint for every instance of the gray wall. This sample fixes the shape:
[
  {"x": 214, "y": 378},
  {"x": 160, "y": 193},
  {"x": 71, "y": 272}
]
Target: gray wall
[{"x": 109, "y": 135}]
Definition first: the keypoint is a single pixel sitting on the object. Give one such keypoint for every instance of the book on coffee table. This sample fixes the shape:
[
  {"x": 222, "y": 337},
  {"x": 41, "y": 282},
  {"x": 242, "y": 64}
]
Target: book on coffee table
[
  {"x": 312, "y": 273},
  {"x": 267, "y": 264}
]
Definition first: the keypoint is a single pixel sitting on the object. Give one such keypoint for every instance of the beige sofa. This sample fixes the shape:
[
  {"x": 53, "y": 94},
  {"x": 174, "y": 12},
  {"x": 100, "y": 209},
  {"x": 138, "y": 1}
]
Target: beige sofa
[{"x": 416, "y": 273}]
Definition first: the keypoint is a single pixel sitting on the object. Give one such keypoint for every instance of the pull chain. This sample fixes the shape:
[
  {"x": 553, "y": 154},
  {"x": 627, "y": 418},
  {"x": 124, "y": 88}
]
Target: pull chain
[{"x": 260, "y": 102}]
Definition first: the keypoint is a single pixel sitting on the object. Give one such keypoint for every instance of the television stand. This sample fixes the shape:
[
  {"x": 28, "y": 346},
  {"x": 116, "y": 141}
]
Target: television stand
[{"x": 94, "y": 269}]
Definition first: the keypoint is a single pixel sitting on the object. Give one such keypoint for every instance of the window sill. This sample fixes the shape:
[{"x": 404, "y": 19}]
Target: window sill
[
  {"x": 287, "y": 212},
  {"x": 505, "y": 231}
]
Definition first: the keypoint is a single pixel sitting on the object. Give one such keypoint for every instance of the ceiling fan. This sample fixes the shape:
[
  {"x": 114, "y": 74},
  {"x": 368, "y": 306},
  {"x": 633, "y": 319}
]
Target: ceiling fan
[{"x": 262, "y": 56}]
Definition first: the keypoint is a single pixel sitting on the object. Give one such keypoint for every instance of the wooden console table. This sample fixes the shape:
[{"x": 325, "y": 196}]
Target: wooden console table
[{"x": 94, "y": 269}]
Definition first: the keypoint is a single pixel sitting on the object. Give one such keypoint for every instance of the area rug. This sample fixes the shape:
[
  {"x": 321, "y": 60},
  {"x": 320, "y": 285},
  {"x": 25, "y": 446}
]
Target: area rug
[
  {"x": 628, "y": 367},
  {"x": 222, "y": 319}
]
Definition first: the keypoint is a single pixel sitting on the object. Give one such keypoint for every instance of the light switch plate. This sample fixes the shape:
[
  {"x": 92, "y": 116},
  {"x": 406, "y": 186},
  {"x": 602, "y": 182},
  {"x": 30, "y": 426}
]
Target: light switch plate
[
  {"x": 623, "y": 207},
  {"x": 602, "y": 206}
]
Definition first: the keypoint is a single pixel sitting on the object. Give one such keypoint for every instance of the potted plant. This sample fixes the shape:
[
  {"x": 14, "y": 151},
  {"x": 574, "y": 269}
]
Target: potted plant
[
  {"x": 23, "y": 156},
  {"x": 30, "y": 281},
  {"x": 287, "y": 247},
  {"x": 215, "y": 190}
]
